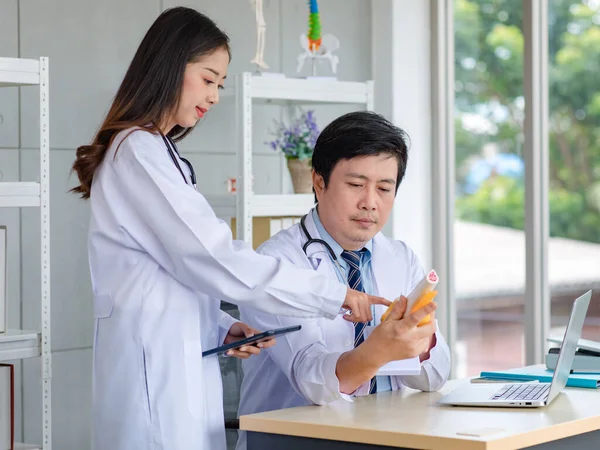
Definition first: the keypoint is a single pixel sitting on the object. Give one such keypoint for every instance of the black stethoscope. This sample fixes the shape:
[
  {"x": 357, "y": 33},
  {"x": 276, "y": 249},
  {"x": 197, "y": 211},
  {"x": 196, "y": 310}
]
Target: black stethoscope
[
  {"x": 310, "y": 240},
  {"x": 172, "y": 149}
]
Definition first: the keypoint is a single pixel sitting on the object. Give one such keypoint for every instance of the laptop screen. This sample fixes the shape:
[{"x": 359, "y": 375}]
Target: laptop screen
[{"x": 566, "y": 354}]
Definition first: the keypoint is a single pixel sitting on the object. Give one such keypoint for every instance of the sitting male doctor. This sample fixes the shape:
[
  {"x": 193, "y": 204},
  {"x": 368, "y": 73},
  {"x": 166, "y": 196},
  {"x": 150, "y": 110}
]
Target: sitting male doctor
[{"x": 358, "y": 163}]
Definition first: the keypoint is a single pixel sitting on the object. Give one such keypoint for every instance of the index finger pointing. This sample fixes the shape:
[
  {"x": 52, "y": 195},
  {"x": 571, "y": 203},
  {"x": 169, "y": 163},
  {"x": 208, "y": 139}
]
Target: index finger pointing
[{"x": 374, "y": 300}]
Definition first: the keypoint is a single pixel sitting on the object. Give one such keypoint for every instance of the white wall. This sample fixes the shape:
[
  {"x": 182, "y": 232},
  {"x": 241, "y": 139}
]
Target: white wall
[
  {"x": 90, "y": 44},
  {"x": 401, "y": 37}
]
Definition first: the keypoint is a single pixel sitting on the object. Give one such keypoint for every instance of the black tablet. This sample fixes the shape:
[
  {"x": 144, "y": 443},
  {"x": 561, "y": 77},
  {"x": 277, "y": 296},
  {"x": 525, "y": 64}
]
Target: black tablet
[{"x": 251, "y": 340}]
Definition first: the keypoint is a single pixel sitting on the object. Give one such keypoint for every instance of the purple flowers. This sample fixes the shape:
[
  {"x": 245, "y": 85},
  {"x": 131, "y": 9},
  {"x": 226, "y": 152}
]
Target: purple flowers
[{"x": 298, "y": 140}]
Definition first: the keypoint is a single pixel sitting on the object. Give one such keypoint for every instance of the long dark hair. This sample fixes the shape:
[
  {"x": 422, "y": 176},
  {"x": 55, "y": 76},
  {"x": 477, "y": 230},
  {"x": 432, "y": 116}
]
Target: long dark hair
[{"x": 151, "y": 88}]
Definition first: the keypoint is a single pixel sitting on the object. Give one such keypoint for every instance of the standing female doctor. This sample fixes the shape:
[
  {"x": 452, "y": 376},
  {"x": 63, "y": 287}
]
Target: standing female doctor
[{"x": 161, "y": 260}]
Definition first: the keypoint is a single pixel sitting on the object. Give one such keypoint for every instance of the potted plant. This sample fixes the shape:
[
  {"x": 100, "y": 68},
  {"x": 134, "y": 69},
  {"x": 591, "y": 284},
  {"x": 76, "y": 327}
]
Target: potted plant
[{"x": 297, "y": 142}]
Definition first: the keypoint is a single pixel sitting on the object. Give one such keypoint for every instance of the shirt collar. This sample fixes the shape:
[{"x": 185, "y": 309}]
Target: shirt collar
[{"x": 337, "y": 249}]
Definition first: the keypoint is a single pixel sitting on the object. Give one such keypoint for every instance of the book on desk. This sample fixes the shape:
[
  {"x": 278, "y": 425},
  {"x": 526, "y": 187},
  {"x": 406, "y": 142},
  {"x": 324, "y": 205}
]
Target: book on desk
[
  {"x": 543, "y": 375},
  {"x": 584, "y": 374},
  {"x": 585, "y": 371},
  {"x": 585, "y": 361}
]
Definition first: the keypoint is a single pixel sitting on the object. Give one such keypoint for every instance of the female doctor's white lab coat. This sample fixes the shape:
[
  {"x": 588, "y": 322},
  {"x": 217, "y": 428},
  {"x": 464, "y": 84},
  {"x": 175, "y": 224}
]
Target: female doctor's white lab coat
[{"x": 160, "y": 263}]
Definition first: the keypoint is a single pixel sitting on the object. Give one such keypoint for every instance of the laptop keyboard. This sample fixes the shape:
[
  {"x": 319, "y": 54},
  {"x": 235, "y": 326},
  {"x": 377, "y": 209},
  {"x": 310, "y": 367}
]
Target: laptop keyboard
[{"x": 525, "y": 391}]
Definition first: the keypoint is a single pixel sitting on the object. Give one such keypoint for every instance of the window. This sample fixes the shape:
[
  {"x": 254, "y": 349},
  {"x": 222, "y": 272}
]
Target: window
[
  {"x": 574, "y": 159},
  {"x": 489, "y": 182},
  {"x": 489, "y": 237}
]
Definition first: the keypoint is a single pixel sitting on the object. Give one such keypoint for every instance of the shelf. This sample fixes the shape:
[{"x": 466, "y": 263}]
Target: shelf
[
  {"x": 278, "y": 89},
  {"x": 19, "y": 72},
  {"x": 20, "y": 446},
  {"x": 17, "y": 344},
  {"x": 19, "y": 194},
  {"x": 282, "y": 205},
  {"x": 293, "y": 205}
]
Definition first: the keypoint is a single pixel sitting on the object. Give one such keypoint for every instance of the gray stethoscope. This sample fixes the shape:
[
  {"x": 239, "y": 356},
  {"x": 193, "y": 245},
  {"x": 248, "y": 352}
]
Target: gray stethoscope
[{"x": 172, "y": 149}]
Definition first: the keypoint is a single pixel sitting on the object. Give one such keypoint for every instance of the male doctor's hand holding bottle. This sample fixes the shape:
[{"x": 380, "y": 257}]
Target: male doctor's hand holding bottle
[{"x": 400, "y": 336}]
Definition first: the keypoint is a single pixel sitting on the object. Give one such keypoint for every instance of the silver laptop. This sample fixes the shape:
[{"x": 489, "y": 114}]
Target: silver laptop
[{"x": 528, "y": 395}]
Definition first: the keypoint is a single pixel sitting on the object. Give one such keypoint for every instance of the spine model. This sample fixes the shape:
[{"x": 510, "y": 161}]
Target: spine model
[{"x": 314, "y": 26}]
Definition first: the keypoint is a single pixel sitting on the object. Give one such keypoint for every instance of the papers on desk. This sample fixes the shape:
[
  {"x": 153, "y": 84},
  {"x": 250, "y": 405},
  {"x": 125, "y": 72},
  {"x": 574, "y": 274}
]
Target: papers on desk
[
  {"x": 410, "y": 366},
  {"x": 586, "y": 344}
]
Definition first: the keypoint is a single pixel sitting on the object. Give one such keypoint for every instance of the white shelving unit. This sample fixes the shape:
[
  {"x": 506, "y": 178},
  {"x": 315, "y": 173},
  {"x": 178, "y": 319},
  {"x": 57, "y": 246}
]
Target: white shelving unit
[
  {"x": 250, "y": 88},
  {"x": 20, "y": 344}
]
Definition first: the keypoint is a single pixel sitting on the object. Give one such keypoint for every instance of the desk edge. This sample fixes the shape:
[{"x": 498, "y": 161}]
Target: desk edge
[
  {"x": 390, "y": 438},
  {"x": 359, "y": 435}
]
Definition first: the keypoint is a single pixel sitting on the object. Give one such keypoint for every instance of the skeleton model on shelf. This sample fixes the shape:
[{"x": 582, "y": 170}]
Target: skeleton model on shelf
[
  {"x": 315, "y": 46},
  {"x": 261, "y": 28}
]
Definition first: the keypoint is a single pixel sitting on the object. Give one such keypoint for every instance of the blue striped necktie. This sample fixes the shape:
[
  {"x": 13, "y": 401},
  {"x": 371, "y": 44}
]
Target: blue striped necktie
[{"x": 355, "y": 282}]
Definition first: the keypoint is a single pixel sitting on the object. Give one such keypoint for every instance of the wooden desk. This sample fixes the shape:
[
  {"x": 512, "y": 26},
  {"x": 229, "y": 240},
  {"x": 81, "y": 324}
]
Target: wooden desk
[{"x": 412, "y": 419}]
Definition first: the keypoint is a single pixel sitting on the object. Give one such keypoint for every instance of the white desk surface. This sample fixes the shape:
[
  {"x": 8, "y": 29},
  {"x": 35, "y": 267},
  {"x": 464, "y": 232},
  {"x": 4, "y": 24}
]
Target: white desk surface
[{"x": 412, "y": 419}]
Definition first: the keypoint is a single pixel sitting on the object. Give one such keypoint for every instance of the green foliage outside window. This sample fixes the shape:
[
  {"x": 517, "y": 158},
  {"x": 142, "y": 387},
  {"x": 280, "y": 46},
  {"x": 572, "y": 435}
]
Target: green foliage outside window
[{"x": 489, "y": 79}]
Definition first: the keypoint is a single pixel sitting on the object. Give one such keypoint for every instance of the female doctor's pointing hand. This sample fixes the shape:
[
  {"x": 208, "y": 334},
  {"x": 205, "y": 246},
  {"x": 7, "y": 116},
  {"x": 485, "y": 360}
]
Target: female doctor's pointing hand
[
  {"x": 358, "y": 303},
  {"x": 160, "y": 259}
]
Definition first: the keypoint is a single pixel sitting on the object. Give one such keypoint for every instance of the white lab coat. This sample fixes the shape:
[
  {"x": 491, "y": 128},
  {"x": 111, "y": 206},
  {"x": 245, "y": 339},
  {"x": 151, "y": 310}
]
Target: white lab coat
[
  {"x": 300, "y": 368},
  {"x": 159, "y": 260}
]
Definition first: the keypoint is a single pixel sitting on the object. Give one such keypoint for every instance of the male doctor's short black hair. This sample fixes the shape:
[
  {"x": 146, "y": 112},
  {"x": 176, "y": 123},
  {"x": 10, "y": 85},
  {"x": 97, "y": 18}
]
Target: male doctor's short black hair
[
  {"x": 359, "y": 133},
  {"x": 151, "y": 88}
]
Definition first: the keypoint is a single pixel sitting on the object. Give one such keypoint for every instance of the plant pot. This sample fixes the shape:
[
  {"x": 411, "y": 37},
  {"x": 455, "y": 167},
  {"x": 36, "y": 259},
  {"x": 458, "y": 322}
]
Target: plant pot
[{"x": 301, "y": 173}]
